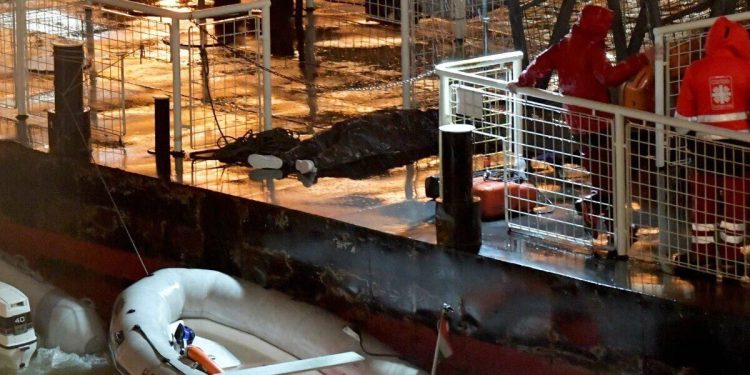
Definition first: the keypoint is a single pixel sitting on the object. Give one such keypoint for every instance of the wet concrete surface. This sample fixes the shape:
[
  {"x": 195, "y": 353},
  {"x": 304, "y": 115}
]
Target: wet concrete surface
[{"x": 394, "y": 203}]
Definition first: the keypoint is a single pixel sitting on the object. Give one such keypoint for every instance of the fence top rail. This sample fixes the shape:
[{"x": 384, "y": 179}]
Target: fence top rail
[
  {"x": 659, "y": 32},
  {"x": 181, "y": 15},
  {"x": 453, "y": 70},
  {"x": 482, "y": 61},
  {"x": 632, "y": 113}
]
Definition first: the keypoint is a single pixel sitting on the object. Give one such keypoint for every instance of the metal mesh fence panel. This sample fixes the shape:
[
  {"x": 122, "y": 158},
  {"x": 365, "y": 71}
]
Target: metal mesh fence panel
[
  {"x": 224, "y": 92},
  {"x": 7, "y": 54}
]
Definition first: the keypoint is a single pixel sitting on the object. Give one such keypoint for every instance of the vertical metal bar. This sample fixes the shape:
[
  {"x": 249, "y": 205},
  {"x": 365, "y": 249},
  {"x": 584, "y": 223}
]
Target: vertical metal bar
[
  {"x": 517, "y": 113},
  {"x": 660, "y": 83},
  {"x": 174, "y": 49},
  {"x": 91, "y": 58},
  {"x": 406, "y": 18},
  {"x": 122, "y": 96},
  {"x": 660, "y": 93},
  {"x": 191, "y": 104},
  {"x": 20, "y": 71},
  {"x": 621, "y": 201},
  {"x": 266, "y": 31},
  {"x": 485, "y": 29},
  {"x": 444, "y": 115}
]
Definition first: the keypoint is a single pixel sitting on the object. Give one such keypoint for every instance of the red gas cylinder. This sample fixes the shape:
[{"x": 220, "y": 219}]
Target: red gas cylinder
[{"x": 522, "y": 197}]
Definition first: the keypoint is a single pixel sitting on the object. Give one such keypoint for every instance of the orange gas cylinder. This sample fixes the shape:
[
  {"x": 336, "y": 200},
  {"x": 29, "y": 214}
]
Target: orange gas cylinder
[
  {"x": 492, "y": 194},
  {"x": 198, "y": 355},
  {"x": 639, "y": 92}
]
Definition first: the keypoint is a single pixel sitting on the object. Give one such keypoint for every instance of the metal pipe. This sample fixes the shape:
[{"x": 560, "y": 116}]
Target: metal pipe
[
  {"x": 621, "y": 204},
  {"x": 706, "y": 22},
  {"x": 143, "y": 8},
  {"x": 444, "y": 93},
  {"x": 21, "y": 70},
  {"x": 229, "y": 9},
  {"x": 266, "y": 36},
  {"x": 174, "y": 50},
  {"x": 485, "y": 28},
  {"x": 660, "y": 106},
  {"x": 197, "y": 14},
  {"x": 122, "y": 95},
  {"x": 517, "y": 119},
  {"x": 90, "y": 59},
  {"x": 406, "y": 53},
  {"x": 161, "y": 136}
]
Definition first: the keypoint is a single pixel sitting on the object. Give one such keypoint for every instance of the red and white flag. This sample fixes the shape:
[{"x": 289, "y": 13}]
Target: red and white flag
[{"x": 443, "y": 347}]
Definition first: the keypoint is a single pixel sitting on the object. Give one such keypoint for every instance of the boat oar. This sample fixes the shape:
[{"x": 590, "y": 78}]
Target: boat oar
[{"x": 301, "y": 365}]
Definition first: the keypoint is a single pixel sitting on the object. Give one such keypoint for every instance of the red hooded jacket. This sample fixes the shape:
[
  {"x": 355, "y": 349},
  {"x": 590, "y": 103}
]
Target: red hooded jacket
[
  {"x": 582, "y": 65},
  {"x": 715, "y": 88}
]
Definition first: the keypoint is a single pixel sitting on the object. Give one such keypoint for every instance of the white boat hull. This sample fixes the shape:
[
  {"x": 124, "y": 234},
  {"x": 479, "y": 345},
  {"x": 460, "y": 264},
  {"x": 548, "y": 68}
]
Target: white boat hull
[{"x": 60, "y": 320}]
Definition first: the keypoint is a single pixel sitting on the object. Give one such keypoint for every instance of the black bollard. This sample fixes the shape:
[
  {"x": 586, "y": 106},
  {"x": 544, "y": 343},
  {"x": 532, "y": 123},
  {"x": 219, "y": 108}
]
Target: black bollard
[
  {"x": 161, "y": 136},
  {"x": 70, "y": 132},
  {"x": 457, "y": 216}
]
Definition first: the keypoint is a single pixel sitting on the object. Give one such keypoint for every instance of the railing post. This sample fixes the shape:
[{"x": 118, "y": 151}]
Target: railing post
[
  {"x": 174, "y": 49},
  {"x": 20, "y": 71},
  {"x": 517, "y": 116},
  {"x": 406, "y": 17},
  {"x": 90, "y": 59},
  {"x": 621, "y": 199},
  {"x": 266, "y": 36}
]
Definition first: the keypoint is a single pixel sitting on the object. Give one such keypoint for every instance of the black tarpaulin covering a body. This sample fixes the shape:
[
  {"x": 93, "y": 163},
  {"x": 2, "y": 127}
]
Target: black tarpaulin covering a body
[{"x": 355, "y": 148}]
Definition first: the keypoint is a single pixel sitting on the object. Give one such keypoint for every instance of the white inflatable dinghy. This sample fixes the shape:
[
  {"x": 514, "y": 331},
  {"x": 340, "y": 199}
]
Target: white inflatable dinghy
[{"x": 240, "y": 327}]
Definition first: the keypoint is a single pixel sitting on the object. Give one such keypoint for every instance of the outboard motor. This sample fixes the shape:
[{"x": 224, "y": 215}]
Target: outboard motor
[{"x": 17, "y": 335}]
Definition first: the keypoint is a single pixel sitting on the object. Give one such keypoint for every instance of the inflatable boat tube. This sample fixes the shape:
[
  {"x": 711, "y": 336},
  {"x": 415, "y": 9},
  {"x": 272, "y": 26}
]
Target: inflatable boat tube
[{"x": 238, "y": 324}]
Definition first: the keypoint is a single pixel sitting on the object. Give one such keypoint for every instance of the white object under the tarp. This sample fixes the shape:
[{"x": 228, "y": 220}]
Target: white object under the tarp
[
  {"x": 17, "y": 337},
  {"x": 60, "y": 320},
  {"x": 259, "y": 326}
]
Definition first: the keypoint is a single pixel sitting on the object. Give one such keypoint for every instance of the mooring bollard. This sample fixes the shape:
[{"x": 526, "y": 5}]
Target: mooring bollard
[
  {"x": 161, "y": 136},
  {"x": 70, "y": 128},
  {"x": 457, "y": 216}
]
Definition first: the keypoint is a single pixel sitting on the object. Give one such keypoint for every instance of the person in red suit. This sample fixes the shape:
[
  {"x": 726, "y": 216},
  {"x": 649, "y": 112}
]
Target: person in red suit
[
  {"x": 584, "y": 71},
  {"x": 714, "y": 91}
]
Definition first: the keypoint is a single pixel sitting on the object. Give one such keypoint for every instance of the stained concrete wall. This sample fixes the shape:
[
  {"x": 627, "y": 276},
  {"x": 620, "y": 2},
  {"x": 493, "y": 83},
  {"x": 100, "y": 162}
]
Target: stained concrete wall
[{"x": 509, "y": 318}]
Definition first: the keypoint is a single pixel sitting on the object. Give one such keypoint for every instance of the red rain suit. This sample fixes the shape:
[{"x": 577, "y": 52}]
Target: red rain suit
[
  {"x": 715, "y": 92},
  {"x": 584, "y": 71}
]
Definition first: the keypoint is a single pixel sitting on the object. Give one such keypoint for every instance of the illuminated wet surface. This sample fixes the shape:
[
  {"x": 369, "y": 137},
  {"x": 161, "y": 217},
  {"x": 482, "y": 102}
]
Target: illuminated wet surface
[{"x": 393, "y": 203}]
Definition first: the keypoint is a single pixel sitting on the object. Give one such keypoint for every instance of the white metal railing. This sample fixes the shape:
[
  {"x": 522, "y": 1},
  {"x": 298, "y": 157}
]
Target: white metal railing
[
  {"x": 202, "y": 14},
  {"x": 176, "y": 18},
  {"x": 632, "y": 172}
]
